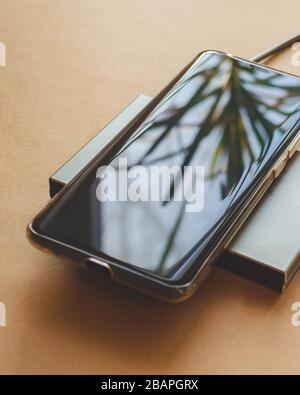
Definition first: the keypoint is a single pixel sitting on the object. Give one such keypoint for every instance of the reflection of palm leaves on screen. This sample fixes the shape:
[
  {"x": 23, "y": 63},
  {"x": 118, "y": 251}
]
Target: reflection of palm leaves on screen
[{"x": 243, "y": 114}]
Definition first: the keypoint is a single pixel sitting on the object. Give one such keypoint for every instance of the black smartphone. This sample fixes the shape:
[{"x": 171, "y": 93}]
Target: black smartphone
[{"x": 235, "y": 121}]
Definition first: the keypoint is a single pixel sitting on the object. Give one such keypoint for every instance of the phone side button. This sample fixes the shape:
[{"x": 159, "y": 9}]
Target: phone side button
[
  {"x": 295, "y": 147},
  {"x": 280, "y": 165},
  {"x": 97, "y": 265}
]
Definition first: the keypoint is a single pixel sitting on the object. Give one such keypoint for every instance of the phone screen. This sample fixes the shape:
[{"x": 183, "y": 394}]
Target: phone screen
[{"x": 219, "y": 125}]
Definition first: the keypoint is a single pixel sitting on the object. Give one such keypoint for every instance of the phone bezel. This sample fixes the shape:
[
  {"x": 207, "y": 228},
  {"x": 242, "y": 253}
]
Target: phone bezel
[{"x": 177, "y": 290}]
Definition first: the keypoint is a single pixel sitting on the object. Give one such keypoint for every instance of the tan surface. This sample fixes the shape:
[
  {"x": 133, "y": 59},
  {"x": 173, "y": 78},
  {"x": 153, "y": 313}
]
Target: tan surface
[{"x": 71, "y": 65}]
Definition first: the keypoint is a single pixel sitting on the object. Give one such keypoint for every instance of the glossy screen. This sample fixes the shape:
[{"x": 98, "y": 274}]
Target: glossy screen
[{"x": 224, "y": 114}]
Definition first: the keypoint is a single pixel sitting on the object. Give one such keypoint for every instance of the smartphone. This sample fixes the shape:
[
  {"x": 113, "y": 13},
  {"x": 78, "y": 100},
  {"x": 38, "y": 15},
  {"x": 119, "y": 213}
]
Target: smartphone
[{"x": 235, "y": 121}]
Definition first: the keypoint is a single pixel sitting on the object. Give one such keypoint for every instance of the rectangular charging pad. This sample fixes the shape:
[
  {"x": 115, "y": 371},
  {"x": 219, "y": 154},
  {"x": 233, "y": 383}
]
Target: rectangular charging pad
[{"x": 266, "y": 249}]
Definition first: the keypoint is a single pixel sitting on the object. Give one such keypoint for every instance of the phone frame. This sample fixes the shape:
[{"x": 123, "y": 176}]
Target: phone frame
[{"x": 134, "y": 276}]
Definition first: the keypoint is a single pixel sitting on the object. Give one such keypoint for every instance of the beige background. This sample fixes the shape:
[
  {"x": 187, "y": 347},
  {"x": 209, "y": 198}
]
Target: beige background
[{"x": 71, "y": 65}]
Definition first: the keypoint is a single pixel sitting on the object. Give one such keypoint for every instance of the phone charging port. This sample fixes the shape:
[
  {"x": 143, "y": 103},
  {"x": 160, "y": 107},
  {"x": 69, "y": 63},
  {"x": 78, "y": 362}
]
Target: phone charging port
[{"x": 98, "y": 266}]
